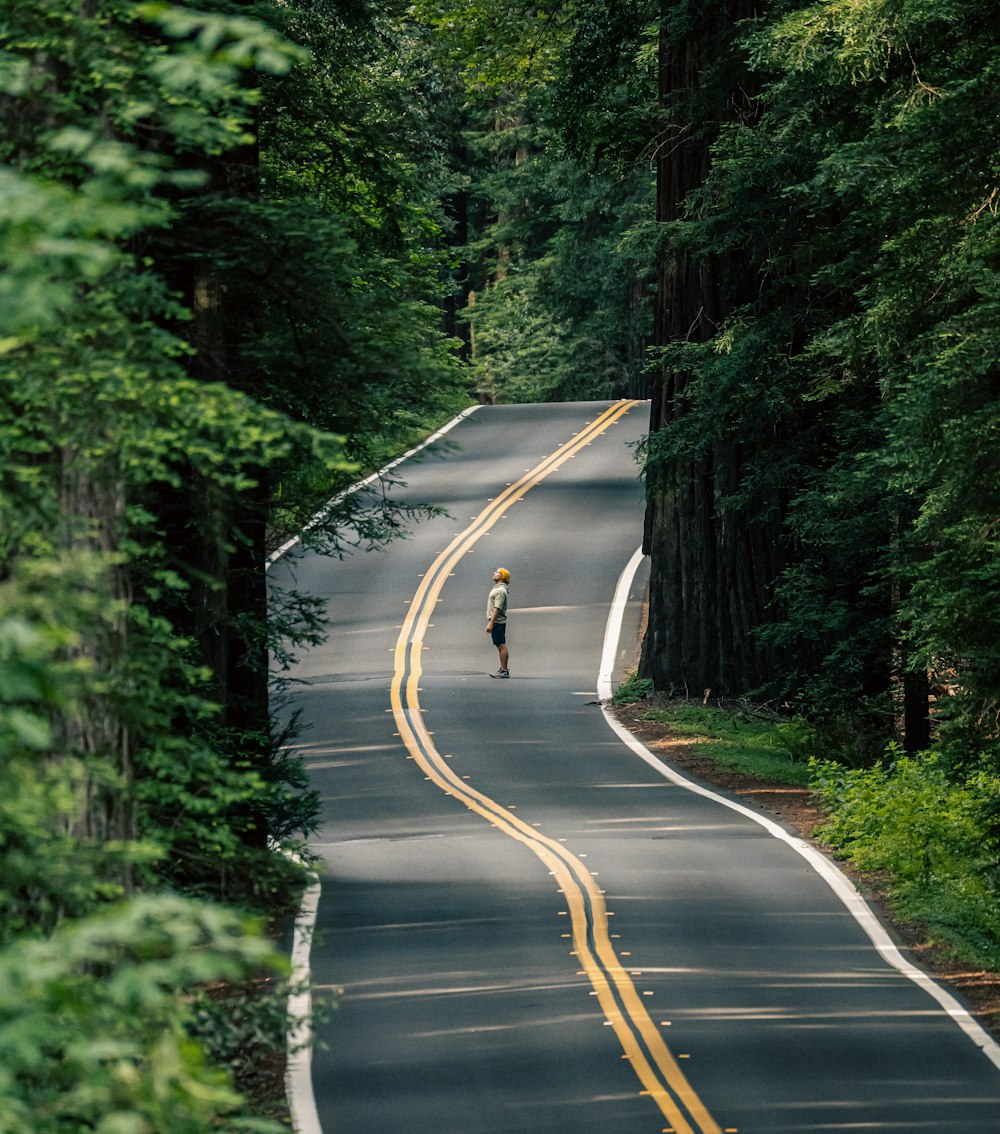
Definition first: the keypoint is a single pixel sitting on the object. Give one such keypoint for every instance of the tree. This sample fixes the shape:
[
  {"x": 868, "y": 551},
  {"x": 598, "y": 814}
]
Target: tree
[
  {"x": 713, "y": 522},
  {"x": 558, "y": 261},
  {"x": 828, "y": 382}
]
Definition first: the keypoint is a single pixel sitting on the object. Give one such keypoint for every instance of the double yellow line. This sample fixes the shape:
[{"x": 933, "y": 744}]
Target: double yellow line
[{"x": 641, "y": 1041}]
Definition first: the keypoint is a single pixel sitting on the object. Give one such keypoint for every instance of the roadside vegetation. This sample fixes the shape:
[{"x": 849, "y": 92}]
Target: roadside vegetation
[
  {"x": 742, "y": 740},
  {"x": 935, "y": 836}
]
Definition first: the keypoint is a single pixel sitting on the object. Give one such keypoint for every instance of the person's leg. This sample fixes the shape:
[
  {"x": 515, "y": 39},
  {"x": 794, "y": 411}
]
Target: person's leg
[{"x": 500, "y": 641}]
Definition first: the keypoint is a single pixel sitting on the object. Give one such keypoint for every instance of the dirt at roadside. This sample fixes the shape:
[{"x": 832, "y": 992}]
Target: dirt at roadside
[{"x": 793, "y": 808}]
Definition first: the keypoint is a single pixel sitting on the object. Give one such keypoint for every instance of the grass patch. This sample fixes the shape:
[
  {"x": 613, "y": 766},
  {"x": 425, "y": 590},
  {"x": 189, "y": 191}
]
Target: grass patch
[{"x": 744, "y": 741}]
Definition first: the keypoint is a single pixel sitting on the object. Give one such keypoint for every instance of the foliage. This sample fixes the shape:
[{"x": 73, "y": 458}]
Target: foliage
[
  {"x": 243, "y": 1026},
  {"x": 633, "y": 689},
  {"x": 496, "y": 47},
  {"x": 93, "y": 1022},
  {"x": 346, "y": 257},
  {"x": 114, "y": 442},
  {"x": 50, "y": 872},
  {"x": 909, "y": 156},
  {"x": 563, "y": 315},
  {"x": 938, "y": 839},
  {"x": 849, "y": 216},
  {"x": 556, "y": 261},
  {"x": 193, "y": 315},
  {"x": 604, "y": 92}
]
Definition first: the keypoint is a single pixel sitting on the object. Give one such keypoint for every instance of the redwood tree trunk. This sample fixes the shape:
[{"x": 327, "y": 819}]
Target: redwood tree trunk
[
  {"x": 218, "y": 538},
  {"x": 712, "y": 563}
]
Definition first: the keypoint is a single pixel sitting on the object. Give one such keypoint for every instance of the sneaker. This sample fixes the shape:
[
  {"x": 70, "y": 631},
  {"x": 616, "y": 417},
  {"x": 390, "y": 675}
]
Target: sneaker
[{"x": 501, "y": 673}]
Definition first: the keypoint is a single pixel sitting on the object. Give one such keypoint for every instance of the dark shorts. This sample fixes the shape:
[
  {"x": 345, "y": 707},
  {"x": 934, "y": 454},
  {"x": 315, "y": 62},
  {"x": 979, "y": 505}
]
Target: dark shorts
[{"x": 499, "y": 633}]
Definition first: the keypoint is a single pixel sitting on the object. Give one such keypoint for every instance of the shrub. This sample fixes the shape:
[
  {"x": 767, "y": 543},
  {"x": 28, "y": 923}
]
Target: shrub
[
  {"x": 938, "y": 839},
  {"x": 633, "y": 689}
]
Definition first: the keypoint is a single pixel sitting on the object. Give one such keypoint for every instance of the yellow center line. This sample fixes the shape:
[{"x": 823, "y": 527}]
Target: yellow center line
[{"x": 642, "y": 1043}]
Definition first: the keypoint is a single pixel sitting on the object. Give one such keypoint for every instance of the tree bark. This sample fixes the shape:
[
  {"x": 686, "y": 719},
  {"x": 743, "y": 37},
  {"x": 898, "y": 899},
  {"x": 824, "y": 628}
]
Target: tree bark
[
  {"x": 712, "y": 563},
  {"x": 92, "y": 504},
  {"x": 219, "y": 540}
]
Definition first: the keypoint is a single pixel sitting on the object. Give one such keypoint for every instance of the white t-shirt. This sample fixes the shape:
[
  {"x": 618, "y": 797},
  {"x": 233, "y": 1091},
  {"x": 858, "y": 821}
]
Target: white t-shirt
[{"x": 497, "y": 602}]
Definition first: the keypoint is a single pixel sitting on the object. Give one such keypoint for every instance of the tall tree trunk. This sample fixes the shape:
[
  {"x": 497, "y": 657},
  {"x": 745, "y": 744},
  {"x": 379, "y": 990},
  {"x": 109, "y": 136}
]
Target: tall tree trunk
[
  {"x": 712, "y": 564},
  {"x": 916, "y": 712},
  {"x": 458, "y": 301},
  {"x": 92, "y": 503},
  {"x": 219, "y": 539}
]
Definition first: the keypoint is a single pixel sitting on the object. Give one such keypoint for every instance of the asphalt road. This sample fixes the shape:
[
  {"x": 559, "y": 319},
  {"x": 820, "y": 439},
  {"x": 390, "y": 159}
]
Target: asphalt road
[{"x": 524, "y": 925}]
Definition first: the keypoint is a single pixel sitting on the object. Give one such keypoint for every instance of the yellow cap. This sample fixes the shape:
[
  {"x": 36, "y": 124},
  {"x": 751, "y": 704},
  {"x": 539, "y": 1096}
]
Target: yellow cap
[{"x": 504, "y": 574}]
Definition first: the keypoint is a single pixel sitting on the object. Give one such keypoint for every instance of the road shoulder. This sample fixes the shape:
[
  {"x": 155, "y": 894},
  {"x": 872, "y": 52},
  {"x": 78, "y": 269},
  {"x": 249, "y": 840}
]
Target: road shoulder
[{"x": 794, "y": 808}]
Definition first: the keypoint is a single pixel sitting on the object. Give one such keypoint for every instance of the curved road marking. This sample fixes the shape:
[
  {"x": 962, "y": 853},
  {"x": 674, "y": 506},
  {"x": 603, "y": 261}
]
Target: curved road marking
[
  {"x": 613, "y": 630},
  {"x": 642, "y": 1043},
  {"x": 837, "y": 881}
]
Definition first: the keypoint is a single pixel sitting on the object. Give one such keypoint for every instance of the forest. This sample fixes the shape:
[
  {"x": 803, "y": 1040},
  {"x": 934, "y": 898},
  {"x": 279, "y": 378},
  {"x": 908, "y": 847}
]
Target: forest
[{"x": 251, "y": 251}]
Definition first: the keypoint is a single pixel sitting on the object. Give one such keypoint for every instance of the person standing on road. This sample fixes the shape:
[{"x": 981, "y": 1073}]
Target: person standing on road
[{"x": 496, "y": 618}]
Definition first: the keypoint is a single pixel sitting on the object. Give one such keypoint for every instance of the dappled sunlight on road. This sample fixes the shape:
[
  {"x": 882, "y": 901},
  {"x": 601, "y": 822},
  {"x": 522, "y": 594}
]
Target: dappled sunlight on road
[{"x": 473, "y": 983}]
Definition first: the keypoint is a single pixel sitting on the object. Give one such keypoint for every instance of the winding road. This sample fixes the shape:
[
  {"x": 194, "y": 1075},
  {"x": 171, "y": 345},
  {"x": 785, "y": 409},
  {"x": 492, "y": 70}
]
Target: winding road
[{"x": 527, "y": 923}]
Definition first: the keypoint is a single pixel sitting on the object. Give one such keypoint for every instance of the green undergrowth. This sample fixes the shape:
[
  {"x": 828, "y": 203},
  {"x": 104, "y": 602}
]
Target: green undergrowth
[
  {"x": 934, "y": 835},
  {"x": 744, "y": 741}
]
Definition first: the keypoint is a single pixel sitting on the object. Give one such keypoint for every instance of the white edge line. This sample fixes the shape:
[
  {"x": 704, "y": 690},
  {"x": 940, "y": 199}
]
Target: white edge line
[
  {"x": 613, "y": 631},
  {"x": 334, "y": 501},
  {"x": 834, "y": 878},
  {"x": 299, "y": 1039}
]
